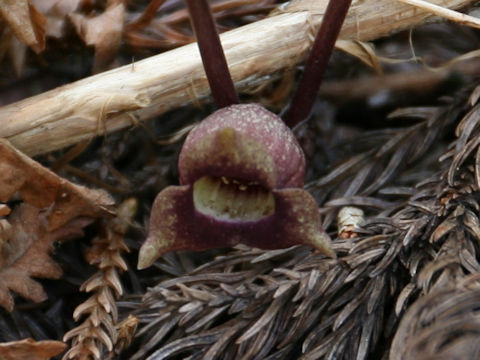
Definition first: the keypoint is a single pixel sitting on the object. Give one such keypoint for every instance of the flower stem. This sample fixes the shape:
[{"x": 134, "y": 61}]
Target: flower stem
[
  {"x": 214, "y": 62},
  {"x": 317, "y": 61}
]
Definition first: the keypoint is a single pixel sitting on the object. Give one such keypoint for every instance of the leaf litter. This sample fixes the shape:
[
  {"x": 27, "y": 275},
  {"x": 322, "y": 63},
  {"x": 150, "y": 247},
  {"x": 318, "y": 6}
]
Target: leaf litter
[
  {"x": 54, "y": 209},
  {"x": 406, "y": 272},
  {"x": 29, "y": 349}
]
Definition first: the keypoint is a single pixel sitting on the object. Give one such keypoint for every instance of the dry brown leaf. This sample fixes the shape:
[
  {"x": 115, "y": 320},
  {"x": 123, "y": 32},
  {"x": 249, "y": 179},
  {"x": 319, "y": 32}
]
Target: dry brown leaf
[
  {"x": 56, "y": 13},
  {"x": 17, "y": 51},
  {"x": 25, "y": 253},
  {"x": 361, "y": 50},
  {"x": 126, "y": 331},
  {"x": 55, "y": 209},
  {"x": 104, "y": 32},
  {"x": 4, "y": 210},
  {"x": 42, "y": 188},
  {"x": 27, "y": 23},
  {"x": 29, "y": 349}
]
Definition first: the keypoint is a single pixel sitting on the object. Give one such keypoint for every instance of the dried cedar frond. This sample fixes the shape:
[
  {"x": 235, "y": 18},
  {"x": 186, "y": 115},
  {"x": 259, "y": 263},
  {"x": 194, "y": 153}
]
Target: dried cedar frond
[
  {"x": 170, "y": 27},
  {"x": 374, "y": 159},
  {"x": 448, "y": 280},
  {"x": 443, "y": 324},
  {"x": 98, "y": 334},
  {"x": 297, "y": 304}
]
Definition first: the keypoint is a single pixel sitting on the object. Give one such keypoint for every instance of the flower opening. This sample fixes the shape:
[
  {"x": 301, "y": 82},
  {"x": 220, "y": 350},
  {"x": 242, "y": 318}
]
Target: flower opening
[{"x": 230, "y": 199}]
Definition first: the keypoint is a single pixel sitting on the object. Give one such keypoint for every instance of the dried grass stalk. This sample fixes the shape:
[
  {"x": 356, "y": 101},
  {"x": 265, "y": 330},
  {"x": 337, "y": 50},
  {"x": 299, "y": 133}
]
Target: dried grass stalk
[{"x": 119, "y": 98}]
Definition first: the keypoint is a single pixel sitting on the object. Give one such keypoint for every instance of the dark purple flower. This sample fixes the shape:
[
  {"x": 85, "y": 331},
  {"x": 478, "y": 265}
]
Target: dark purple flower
[{"x": 241, "y": 175}]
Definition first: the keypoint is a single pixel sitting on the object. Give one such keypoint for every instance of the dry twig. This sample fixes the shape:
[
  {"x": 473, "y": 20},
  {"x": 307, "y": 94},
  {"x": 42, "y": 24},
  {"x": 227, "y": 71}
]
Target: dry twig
[{"x": 445, "y": 13}]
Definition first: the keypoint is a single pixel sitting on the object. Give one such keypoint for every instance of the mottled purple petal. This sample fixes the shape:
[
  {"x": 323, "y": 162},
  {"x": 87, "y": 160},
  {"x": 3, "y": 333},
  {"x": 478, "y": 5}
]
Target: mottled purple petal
[
  {"x": 168, "y": 222},
  {"x": 297, "y": 221},
  {"x": 175, "y": 225},
  {"x": 258, "y": 124},
  {"x": 228, "y": 153}
]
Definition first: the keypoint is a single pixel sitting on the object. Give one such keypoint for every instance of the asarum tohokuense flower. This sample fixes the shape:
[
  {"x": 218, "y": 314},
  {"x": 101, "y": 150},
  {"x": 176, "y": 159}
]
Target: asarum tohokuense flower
[{"x": 241, "y": 174}]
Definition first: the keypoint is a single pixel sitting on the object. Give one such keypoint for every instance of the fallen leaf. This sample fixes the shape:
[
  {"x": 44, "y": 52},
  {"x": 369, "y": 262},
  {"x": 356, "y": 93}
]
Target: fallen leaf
[
  {"x": 126, "y": 331},
  {"x": 26, "y": 22},
  {"x": 29, "y": 349},
  {"x": 104, "y": 32},
  {"x": 56, "y": 12},
  {"x": 25, "y": 248},
  {"x": 42, "y": 188},
  {"x": 363, "y": 51},
  {"x": 54, "y": 209},
  {"x": 17, "y": 51},
  {"x": 4, "y": 210}
]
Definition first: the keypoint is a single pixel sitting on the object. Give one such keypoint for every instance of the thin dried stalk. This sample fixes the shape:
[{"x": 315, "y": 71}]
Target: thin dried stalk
[
  {"x": 445, "y": 13},
  {"x": 98, "y": 334},
  {"x": 119, "y": 98}
]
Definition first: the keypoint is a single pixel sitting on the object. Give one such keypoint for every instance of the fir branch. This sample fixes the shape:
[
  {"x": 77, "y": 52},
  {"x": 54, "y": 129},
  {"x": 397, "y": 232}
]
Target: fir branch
[
  {"x": 98, "y": 334},
  {"x": 295, "y": 303}
]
